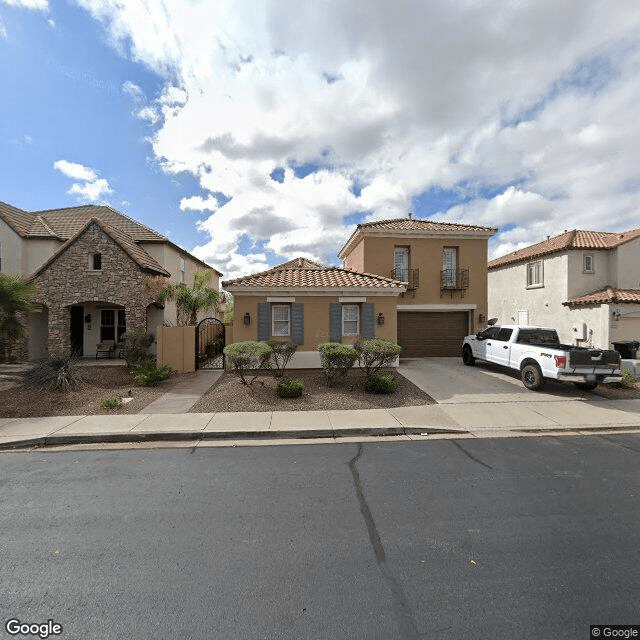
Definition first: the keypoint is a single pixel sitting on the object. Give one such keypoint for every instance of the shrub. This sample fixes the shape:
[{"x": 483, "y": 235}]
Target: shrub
[
  {"x": 281, "y": 353},
  {"x": 627, "y": 382},
  {"x": 136, "y": 344},
  {"x": 149, "y": 373},
  {"x": 247, "y": 356},
  {"x": 61, "y": 373},
  {"x": 337, "y": 360},
  {"x": 376, "y": 353},
  {"x": 290, "y": 388},
  {"x": 111, "y": 402},
  {"x": 214, "y": 347},
  {"x": 385, "y": 383}
]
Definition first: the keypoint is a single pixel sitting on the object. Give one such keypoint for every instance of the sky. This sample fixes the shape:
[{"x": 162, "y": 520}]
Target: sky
[{"x": 251, "y": 132}]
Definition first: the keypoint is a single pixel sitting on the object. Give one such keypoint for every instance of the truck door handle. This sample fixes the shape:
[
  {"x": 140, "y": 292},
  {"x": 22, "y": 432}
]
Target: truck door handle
[{"x": 506, "y": 346}]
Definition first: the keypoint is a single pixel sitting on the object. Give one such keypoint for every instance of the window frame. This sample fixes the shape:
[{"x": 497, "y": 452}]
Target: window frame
[
  {"x": 111, "y": 326},
  {"x": 96, "y": 258},
  {"x": 448, "y": 280},
  {"x": 286, "y": 306},
  {"x": 405, "y": 251},
  {"x": 344, "y": 320},
  {"x": 540, "y": 274},
  {"x": 585, "y": 257}
]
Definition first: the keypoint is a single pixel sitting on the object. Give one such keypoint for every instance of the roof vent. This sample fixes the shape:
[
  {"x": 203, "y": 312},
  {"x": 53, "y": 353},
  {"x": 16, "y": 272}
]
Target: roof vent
[{"x": 409, "y": 215}]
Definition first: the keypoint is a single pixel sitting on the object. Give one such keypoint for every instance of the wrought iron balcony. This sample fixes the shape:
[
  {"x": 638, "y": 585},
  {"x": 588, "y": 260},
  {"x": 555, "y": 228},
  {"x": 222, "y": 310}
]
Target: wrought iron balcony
[
  {"x": 410, "y": 276},
  {"x": 454, "y": 279}
]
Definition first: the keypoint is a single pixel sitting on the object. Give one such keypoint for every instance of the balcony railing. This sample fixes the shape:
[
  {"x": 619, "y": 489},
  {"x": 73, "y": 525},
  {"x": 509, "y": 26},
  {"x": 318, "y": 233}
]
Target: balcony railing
[
  {"x": 454, "y": 279},
  {"x": 410, "y": 276}
]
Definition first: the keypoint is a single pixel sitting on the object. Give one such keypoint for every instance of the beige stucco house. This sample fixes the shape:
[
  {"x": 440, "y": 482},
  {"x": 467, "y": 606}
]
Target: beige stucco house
[
  {"x": 586, "y": 284},
  {"x": 444, "y": 268},
  {"x": 98, "y": 274},
  {"x": 307, "y": 303}
]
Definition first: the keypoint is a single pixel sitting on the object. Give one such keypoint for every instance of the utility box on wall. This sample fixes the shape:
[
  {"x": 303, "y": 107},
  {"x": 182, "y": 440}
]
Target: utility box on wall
[
  {"x": 580, "y": 331},
  {"x": 177, "y": 348}
]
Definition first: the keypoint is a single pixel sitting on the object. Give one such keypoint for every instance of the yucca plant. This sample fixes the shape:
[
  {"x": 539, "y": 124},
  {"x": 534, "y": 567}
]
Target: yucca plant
[{"x": 58, "y": 373}]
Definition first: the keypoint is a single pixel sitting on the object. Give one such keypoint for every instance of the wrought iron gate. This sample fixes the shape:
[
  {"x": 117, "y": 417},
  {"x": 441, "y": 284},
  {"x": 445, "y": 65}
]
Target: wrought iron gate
[{"x": 210, "y": 344}]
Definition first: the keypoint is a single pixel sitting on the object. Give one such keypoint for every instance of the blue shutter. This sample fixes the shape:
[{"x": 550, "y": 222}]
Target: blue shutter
[
  {"x": 368, "y": 323},
  {"x": 297, "y": 323},
  {"x": 264, "y": 320},
  {"x": 335, "y": 322}
]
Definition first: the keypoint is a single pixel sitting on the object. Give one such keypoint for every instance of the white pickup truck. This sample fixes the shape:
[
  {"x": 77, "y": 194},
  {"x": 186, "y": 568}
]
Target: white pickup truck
[{"x": 537, "y": 354}]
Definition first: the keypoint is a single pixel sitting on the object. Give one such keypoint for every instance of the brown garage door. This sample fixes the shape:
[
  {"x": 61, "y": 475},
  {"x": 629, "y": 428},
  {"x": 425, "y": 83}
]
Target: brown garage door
[{"x": 425, "y": 334}]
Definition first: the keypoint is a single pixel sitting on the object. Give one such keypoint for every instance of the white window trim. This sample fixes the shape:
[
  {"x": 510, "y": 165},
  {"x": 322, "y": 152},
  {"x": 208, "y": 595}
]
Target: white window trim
[
  {"x": 273, "y": 320},
  {"x": 540, "y": 283},
  {"x": 357, "y": 320}
]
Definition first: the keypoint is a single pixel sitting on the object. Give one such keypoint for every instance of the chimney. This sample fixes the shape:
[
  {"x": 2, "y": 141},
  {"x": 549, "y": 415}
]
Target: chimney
[{"x": 409, "y": 215}]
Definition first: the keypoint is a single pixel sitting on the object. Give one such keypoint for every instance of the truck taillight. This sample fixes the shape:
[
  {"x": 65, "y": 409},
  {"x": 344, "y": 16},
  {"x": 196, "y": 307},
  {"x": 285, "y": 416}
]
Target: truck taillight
[{"x": 561, "y": 361}]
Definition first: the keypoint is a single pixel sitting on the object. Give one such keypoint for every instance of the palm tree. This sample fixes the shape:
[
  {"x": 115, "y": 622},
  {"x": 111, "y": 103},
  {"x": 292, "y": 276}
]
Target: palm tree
[
  {"x": 190, "y": 300},
  {"x": 14, "y": 299}
]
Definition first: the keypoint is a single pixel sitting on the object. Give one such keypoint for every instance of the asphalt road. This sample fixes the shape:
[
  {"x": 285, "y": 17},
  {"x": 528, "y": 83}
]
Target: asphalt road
[{"x": 532, "y": 538}]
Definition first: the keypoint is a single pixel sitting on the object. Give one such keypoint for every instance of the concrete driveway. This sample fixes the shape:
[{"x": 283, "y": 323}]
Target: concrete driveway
[{"x": 448, "y": 381}]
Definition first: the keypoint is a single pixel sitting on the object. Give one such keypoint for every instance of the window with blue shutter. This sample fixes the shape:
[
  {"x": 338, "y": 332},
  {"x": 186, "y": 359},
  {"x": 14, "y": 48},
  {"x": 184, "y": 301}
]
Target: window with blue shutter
[
  {"x": 297, "y": 323},
  {"x": 368, "y": 322},
  {"x": 264, "y": 329},
  {"x": 335, "y": 322}
]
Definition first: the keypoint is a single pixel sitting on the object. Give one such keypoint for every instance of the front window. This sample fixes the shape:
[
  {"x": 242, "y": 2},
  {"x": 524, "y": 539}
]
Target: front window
[
  {"x": 122, "y": 324},
  {"x": 449, "y": 266},
  {"x": 280, "y": 320},
  {"x": 350, "y": 320},
  {"x": 107, "y": 325},
  {"x": 401, "y": 263},
  {"x": 588, "y": 263},
  {"x": 534, "y": 274}
]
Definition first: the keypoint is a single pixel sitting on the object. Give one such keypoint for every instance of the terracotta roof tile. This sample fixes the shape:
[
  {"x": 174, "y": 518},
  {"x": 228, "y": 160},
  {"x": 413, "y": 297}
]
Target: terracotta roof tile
[
  {"x": 312, "y": 275},
  {"x": 574, "y": 239},
  {"x": 608, "y": 295},
  {"x": 20, "y": 221}
]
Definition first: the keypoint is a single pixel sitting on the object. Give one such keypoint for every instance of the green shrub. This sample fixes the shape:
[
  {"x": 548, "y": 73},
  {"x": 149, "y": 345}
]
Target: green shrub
[
  {"x": 247, "y": 356},
  {"x": 627, "y": 382},
  {"x": 290, "y": 388},
  {"x": 136, "y": 344},
  {"x": 337, "y": 359},
  {"x": 385, "y": 383},
  {"x": 214, "y": 347},
  {"x": 376, "y": 353},
  {"x": 281, "y": 354},
  {"x": 111, "y": 402},
  {"x": 59, "y": 373},
  {"x": 149, "y": 373}
]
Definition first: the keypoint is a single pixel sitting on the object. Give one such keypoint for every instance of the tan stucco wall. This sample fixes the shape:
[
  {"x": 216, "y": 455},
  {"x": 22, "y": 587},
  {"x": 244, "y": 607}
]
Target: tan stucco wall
[
  {"x": 177, "y": 348},
  {"x": 627, "y": 265},
  {"x": 316, "y": 318},
  {"x": 11, "y": 250},
  {"x": 375, "y": 255}
]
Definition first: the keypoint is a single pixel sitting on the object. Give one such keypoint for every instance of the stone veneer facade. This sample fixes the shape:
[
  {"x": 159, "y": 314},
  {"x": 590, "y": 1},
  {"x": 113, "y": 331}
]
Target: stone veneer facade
[{"x": 70, "y": 280}]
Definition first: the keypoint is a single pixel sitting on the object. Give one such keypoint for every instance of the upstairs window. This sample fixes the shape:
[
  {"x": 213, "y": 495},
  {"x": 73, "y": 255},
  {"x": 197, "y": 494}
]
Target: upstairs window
[
  {"x": 587, "y": 263},
  {"x": 449, "y": 266},
  {"x": 97, "y": 262},
  {"x": 401, "y": 263},
  {"x": 534, "y": 274},
  {"x": 350, "y": 320},
  {"x": 181, "y": 269},
  {"x": 280, "y": 320}
]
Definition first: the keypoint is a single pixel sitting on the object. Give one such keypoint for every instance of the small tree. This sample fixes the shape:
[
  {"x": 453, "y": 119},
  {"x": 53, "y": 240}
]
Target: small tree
[
  {"x": 337, "y": 359},
  {"x": 281, "y": 353},
  {"x": 247, "y": 356},
  {"x": 376, "y": 353},
  {"x": 190, "y": 300}
]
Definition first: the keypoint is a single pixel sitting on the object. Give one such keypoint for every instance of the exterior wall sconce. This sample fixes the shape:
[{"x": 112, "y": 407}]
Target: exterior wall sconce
[
  {"x": 616, "y": 314},
  {"x": 482, "y": 318},
  {"x": 247, "y": 318},
  {"x": 87, "y": 318},
  {"x": 380, "y": 318}
]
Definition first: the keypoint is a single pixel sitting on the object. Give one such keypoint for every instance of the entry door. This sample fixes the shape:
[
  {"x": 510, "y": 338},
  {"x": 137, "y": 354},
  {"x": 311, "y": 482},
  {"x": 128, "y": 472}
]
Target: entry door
[{"x": 77, "y": 330}]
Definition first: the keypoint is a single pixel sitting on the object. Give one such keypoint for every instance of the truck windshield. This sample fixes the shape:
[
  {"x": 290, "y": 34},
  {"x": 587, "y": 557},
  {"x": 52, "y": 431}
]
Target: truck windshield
[{"x": 538, "y": 336}]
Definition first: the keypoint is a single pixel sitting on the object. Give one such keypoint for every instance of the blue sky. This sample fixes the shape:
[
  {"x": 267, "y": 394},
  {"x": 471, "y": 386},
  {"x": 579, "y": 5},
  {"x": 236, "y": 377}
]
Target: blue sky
[{"x": 273, "y": 131}]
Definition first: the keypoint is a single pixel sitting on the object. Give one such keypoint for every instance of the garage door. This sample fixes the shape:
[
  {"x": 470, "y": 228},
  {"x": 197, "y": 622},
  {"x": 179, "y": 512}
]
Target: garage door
[{"x": 432, "y": 334}]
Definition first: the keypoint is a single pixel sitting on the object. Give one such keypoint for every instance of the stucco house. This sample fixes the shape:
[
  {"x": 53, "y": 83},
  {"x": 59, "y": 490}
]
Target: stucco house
[
  {"x": 444, "y": 270},
  {"x": 307, "y": 303},
  {"x": 586, "y": 284},
  {"x": 98, "y": 274}
]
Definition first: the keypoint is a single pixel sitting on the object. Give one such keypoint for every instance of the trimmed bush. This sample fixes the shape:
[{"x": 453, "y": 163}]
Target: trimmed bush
[
  {"x": 247, "y": 356},
  {"x": 61, "y": 373},
  {"x": 149, "y": 373},
  {"x": 136, "y": 344},
  {"x": 376, "y": 353},
  {"x": 111, "y": 402},
  {"x": 281, "y": 353},
  {"x": 290, "y": 388},
  {"x": 337, "y": 359},
  {"x": 627, "y": 382},
  {"x": 385, "y": 383}
]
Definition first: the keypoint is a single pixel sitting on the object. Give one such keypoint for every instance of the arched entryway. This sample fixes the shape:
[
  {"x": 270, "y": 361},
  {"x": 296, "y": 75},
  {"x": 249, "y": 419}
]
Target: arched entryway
[{"x": 210, "y": 341}]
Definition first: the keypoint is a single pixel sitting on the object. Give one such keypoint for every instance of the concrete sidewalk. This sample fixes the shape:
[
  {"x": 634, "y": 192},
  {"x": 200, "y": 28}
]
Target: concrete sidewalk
[{"x": 471, "y": 420}]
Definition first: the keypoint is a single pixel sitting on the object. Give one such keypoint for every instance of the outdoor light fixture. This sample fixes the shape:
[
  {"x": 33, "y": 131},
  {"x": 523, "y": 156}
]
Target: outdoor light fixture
[
  {"x": 482, "y": 318},
  {"x": 616, "y": 314},
  {"x": 87, "y": 318},
  {"x": 380, "y": 318},
  {"x": 247, "y": 318}
]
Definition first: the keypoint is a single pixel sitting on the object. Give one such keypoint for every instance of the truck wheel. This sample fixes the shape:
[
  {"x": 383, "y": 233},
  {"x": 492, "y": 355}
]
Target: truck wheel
[
  {"x": 586, "y": 386},
  {"x": 531, "y": 377},
  {"x": 467, "y": 356}
]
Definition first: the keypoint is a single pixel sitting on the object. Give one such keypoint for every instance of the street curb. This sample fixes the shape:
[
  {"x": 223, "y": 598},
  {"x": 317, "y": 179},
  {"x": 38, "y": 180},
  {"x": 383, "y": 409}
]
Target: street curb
[{"x": 177, "y": 436}]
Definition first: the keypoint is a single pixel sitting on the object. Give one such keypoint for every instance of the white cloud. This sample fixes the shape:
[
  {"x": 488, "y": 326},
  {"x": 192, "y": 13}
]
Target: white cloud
[
  {"x": 91, "y": 188},
  {"x": 41, "y": 5},
  {"x": 3, "y": 31},
  {"x": 133, "y": 90},
  {"x": 528, "y": 108},
  {"x": 149, "y": 114}
]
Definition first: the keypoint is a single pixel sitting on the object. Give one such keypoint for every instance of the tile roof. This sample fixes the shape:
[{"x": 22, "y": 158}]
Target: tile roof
[
  {"x": 312, "y": 275},
  {"x": 608, "y": 295},
  {"x": 20, "y": 221},
  {"x": 413, "y": 226},
  {"x": 574, "y": 239}
]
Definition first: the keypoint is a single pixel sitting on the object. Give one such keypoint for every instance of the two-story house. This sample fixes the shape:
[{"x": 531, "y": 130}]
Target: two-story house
[
  {"x": 444, "y": 268},
  {"x": 585, "y": 284},
  {"x": 98, "y": 274}
]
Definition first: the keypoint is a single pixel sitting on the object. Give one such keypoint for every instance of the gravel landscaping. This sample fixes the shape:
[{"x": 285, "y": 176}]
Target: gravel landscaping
[{"x": 229, "y": 394}]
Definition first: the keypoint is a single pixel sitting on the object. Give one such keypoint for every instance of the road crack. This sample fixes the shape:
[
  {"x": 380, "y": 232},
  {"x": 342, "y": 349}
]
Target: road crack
[{"x": 470, "y": 455}]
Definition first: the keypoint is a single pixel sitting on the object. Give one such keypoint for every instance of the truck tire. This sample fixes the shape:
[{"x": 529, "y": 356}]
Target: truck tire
[
  {"x": 531, "y": 377},
  {"x": 586, "y": 386},
  {"x": 467, "y": 356}
]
